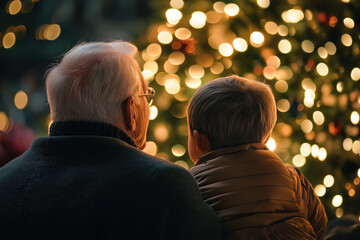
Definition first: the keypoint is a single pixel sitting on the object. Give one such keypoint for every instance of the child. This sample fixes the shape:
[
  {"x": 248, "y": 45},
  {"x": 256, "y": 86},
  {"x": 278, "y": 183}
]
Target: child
[{"x": 255, "y": 195}]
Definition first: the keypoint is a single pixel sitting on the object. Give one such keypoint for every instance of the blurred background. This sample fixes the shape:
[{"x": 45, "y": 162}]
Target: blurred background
[{"x": 307, "y": 51}]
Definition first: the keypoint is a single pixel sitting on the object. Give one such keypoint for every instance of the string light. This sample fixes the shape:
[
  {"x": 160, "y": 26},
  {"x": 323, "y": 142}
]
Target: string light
[
  {"x": 354, "y": 117},
  {"x": 226, "y": 49},
  {"x": 240, "y": 44},
  {"x": 271, "y": 144},
  {"x": 8, "y": 40},
  {"x": 292, "y": 16},
  {"x": 193, "y": 82},
  {"x": 346, "y": 40},
  {"x": 349, "y": 23},
  {"x": 299, "y": 160},
  {"x": 173, "y": 16},
  {"x": 307, "y": 46},
  {"x": 284, "y": 46},
  {"x": 347, "y": 144},
  {"x": 178, "y": 4},
  {"x": 182, "y": 33},
  {"x": 231, "y": 9},
  {"x": 196, "y": 71},
  {"x": 330, "y": 48},
  {"x": 263, "y": 3},
  {"x": 355, "y": 74},
  {"x": 329, "y": 181},
  {"x": 178, "y": 150},
  {"x": 256, "y": 39},
  {"x": 198, "y": 20},
  {"x": 150, "y": 148},
  {"x": 337, "y": 201},
  {"x": 153, "y": 112},
  {"x": 165, "y": 37},
  {"x": 305, "y": 149},
  {"x": 172, "y": 85},
  {"x": 320, "y": 190},
  {"x": 15, "y": 7},
  {"x": 4, "y": 122},
  {"x": 21, "y": 99},
  {"x": 322, "y": 69},
  {"x": 271, "y": 28}
]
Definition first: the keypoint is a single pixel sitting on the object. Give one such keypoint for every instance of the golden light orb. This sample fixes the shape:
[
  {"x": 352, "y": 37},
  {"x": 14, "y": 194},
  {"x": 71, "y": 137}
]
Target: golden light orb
[
  {"x": 269, "y": 72},
  {"x": 257, "y": 39},
  {"x": 306, "y": 126},
  {"x": 226, "y": 50},
  {"x": 219, "y": 7},
  {"x": 284, "y": 46},
  {"x": 193, "y": 82},
  {"x": 322, "y": 69},
  {"x": 165, "y": 37},
  {"x": 170, "y": 68},
  {"x": 340, "y": 87},
  {"x": 271, "y": 27},
  {"x": 339, "y": 212},
  {"x": 21, "y": 99},
  {"x": 4, "y": 122},
  {"x": 329, "y": 181},
  {"x": 346, "y": 40},
  {"x": 263, "y": 3},
  {"x": 281, "y": 86},
  {"x": 283, "y": 105},
  {"x": 177, "y": 58},
  {"x": 15, "y": 7},
  {"x": 322, "y": 154},
  {"x": 150, "y": 148},
  {"x": 319, "y": 118},
  {"x": 354, "y": 117},
  {"x": 148, "y": 75},
  {"x": 151, "y": 66},
  {"x": 196, "y": 71},
  {"x": 299, "y": 160},
  {"x": 337, "y": 201},
  {"x": 153, "y": 112},
  {"x": 172, "y": 85},
  {"x": 182, "y": 164},
  {"x": 8, "y": 40},
  {"x": 355, "y": 74},
  {"x": 330, "y": 48},
  {"x": 161, "y": 132},
  {"x": 240, "y": 44},
  {"x": 349, "y": 22},
  {"x": 315, "y": 150},
  {"x": 198, "y": 19},
  {"x": 307, "y": 46},
  {"x": 292, "y": 16},
  {"x": 182, "y": 33},
  {"x": 232, "y": 9},
  {"x": 307, "y": 83},
  {"x": 273, "y": 61},
  {"x": 305, "y": 149},
  {"x": 356, "y": 147},
  {"x": 154, "y": 51},
  {"x": 217, "y": 68},
  {"x": 178, "y": 150},
  {"x": 322, "y": 52},
  {"x": 347, "y": 144},
  {"x": 173, "y": 16},
  {"x": 52, "y": 32},
  {"x": 271, "y": 144},
  {"x": 283, "y": 30},
  {"x": 320, "y": 190},
  {"x": 284, "y": 73},
  {"x": 177, "y": 4}
]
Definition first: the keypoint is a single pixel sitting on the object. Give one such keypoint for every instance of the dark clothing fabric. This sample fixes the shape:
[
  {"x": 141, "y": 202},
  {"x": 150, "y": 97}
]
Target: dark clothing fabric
[
  {"x": 88, "y": 181},
  {"x": 257, "y": 196}
]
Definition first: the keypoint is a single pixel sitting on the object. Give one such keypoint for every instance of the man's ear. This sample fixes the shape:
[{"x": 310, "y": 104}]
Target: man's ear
[
  {"x": 202, "y": 142},
  {"x": 129, "y": 114}
]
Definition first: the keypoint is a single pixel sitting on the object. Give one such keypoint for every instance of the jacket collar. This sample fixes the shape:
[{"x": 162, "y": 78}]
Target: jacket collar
[
  {"x": 73, "y": 128},
  {"x": 222, "y": 151}
]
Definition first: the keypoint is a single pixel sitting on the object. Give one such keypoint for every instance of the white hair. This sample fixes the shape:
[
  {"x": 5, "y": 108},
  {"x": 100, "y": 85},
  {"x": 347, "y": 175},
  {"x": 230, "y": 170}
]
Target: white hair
[{"x": 92, "y": 81}]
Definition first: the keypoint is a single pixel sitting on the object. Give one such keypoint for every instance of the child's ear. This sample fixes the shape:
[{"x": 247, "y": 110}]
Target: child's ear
[{"x": 202, "y": 143}]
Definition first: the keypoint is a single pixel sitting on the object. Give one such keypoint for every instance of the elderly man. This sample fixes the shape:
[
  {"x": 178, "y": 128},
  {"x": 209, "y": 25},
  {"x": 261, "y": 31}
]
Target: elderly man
[{"x": 88, "y": 179}]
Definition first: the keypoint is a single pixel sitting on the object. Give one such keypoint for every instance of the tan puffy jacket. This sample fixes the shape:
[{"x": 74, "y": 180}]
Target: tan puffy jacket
[{"x": 257, "y": 196}]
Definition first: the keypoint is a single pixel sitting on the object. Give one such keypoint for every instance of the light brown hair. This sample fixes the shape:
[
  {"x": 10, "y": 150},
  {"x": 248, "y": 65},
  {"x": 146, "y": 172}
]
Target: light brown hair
[{"x": 232, "y": 110}]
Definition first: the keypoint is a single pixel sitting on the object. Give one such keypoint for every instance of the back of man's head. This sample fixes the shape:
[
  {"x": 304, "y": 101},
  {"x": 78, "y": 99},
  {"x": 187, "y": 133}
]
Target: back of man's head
[
  {"x": 231, "y": 111},
  {"x": 91, "y": 82}
]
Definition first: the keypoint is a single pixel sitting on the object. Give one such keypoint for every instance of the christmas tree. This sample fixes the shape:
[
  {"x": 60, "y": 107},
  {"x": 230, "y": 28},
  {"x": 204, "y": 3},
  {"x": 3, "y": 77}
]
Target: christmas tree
[{"x": 308, "y": 52}]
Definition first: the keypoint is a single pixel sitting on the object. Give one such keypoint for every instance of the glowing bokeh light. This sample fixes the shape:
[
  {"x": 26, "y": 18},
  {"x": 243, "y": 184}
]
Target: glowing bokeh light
[
  {"x": 226, "y": 50},
  {"x": 219, "y": 7},
  {"x": 349, "y": 23},
  {"x": 292, "y": 16},
  {"x": 347, "y": 144},
  {"x": 173, "y": 16},
  {"x": 182, "y": 33},
  {"x": 198, "y": 19},
  {"x": 283, "y": 105},
  {"x": 240, "y": 44},
  {"x": 257, "y": 39},
  {"x": 307, "y": 46},
  {"x": 320, "y": 190},
  {"x": 178, "y": 150},
  {"x": 305, "y": 149},
  {"x": 318, "y": 117},
  {"x": 322, "y": 154},
  {"x": 176, "y": 58},
  {"x": 355, "y": 74},
  {"x": 271, "y": 27},
  {"x": 271, "y": 144},
  {"x": 52, "y": 32},
  {"x": 196, "y": 71},
  {"x": 151, "y": 66},
  {"x": 161, "y": 132},
  {"x": 21, "y": 99},
  {"x": 4, "y": 122},
  {"x": 154, "y": 51},
  {"x": 284, "y": 46},
  {"x": 307, "y": 83},
  {"x": 232, "y": 9},
  {"x": 153, "y": 112},
  {"x": 314, "y": 150},
  {"x": 354, "y": 117},
  {"x": 193, "y": 82},
  {"x": 322, "y": 52},
  {"x": 177, "y": 4},
  {"x": 329, "y": 181},
  {"x": 165, "y": 37},
  {"x": 306, "y": 126},
  {"x": 263, "y": 3},
  {"x": 337, "y": 201},
  {"x": 281, "y": 86},
  {"x": 299, "y": 160},
  {"x": 150, "y": 148},
  {"x": 172, "y": 85},
  {"x": 346, "y": 40},
  {"x": 322, "y": 69},
  {"x": 273, "y": 61},
  {"x": 356, "y": 147},
  {"x": 330, "y": 48},
  {"x": 269, "y": 72},
  {"x": 182, "y": 164},
  {"x": 217, "y": 68},
  {"x": 8, "y": 40},
  {"x": 15, "y": 7},
  {"x": 283, "y": 30}
]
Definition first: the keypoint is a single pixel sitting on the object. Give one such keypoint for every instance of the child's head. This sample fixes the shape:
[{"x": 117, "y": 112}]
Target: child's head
[{"x": 231, "y": 111}]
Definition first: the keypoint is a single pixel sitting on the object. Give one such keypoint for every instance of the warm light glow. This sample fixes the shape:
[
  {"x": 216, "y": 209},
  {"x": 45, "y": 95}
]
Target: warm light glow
[
  {"x": 217, "y": 68},
  {"x": 153, "y": 112},
  {"x": 177, "y": 4},
  {"x": 161, "y": 132},
  {"x": 283, "y": 30},
  {"x": 257, "y": 39},
  {"x": 150, "y": 148},
  {"x": 318, "y": 117},
  {"x": 305, "y": 149},
  {"x": 273, "y": 61},
  {"x": 173, "y": 16},
  {"x": 322, "y": 69},
  {"x": 283, "y": 105},
  {"x": 4, "y": 122},
  {"x": 281, "y": 86},
  {"x": 356, "y": 147},
  {"x": 299, "y": 160},
  {"x": 347, "y": 144},
  {"x": 193, "y": 82},
  {"x": 271, "y": 144},
  {"x": 176, "y": 58},
  {"x": 284, "y": 46},
  {"x": 337, "y": 201},
  {"x": 349, "y": 23},
  {"x": 307, "y": 83},
  {"x": 346, "y": 40},
  {"x": 196, "y": 71},
  {"x": 339, "y": 86},
  {"x": 21, "y": 99},
  {"x": 172, "y": 85},
  {"x": 307, "y": 46},
  {"x": 292, "y": 16},
  {"x": 52, "y": 32},
  {"x": 226, "y": 49},
  {"x": 306, "y": 126},
  {"x": 354, "y": 117},
  {"x": 322, "y": 52},
  {"x": 151, "y": 66},
  {"x": 182, "y": 164},
  {"x": 182, "y": 33},
  {"x": 170, "y": 68},
  {"x": 322, "y": 154},
  {"x": 358, "y": 172},
  {"x": 330, "y": 48},
  {"x": 240, "y": 44},
  {"x": 219, "y": 7},
  {"x": 165, "y": 37},
  {"x": 8, "y": 40},
  {"x": 329, "y": 181},
  {"x": 314, "y": 150},
  {"x": 351, "y": 192},
  {"x": 148, "y": 75},
  {"x": 271, "y": 28},
  {"x": 339, "y": 212},
  {"x": 320, "y": 190},
  {"x": 269, "y": 72},
  {"x": 178, "y": 150},
  {"x": 355, "y": 74},
  {"x": 263, "y": 3},
  {"x": 231, "y": 9},
  {"x": 15, "y": 7},
  {"x": 198, "y": 20},
  {"x": 154, "y": 51},
  {"x": 284, "y": 73}
]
